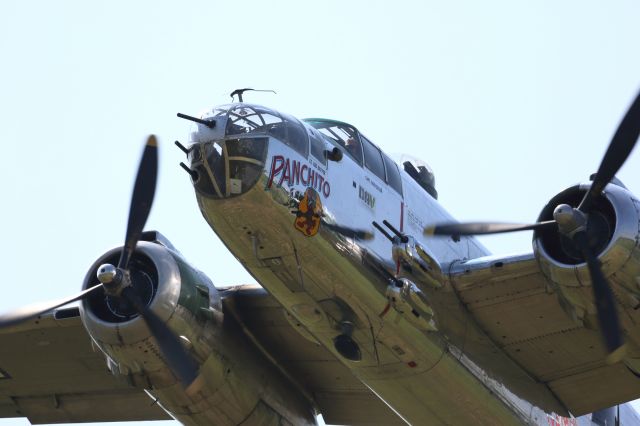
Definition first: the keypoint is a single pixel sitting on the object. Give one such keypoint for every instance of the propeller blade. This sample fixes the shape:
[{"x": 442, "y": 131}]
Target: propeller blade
[
  {"x": 141, "y": 199},
  {"x": 31, "y": 311},
  {"x": 483, "y": 228},
  {"x": 358, "y": 234},
  {"x": 605, "y": 304},
  {"x": 619, "y": 149},
  {"x": 178, "y": 359}
]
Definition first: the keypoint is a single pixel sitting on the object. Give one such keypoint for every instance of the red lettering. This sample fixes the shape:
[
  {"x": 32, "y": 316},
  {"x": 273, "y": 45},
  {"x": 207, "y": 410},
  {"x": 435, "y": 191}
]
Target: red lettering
[
  {"x": 312, "y": 178},
  {"x": 296, "y": 172},
  {"x": 286, "y": 172},
  {"x": 276, "y": 166}
]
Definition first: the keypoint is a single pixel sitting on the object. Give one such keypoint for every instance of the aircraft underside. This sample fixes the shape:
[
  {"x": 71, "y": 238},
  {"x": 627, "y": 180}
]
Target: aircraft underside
[{"x": 375, "y": 306}]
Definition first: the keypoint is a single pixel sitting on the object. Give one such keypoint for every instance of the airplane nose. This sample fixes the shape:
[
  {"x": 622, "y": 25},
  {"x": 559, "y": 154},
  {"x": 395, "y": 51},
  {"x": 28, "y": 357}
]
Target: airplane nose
[{"x": 228, "y": 167}]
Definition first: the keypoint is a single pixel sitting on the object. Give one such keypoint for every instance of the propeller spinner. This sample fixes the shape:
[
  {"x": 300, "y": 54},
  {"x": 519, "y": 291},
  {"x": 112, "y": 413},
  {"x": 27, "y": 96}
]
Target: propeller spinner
[{"x": 573, "y": 224}]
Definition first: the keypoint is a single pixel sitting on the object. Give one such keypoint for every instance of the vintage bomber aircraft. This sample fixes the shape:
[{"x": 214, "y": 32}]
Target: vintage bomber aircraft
[{"x": 362, "y": 316}]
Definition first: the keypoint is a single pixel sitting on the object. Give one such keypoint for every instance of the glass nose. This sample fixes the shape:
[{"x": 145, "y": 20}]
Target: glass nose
[{"x": 228, "y": 167}]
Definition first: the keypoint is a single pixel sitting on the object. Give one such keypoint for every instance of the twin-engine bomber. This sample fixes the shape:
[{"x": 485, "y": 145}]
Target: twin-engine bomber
[{"x": 374, "y": 306}]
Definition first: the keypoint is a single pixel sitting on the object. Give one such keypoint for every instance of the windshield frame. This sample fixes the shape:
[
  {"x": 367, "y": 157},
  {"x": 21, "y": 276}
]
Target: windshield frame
[{"x": 329, "y": 130}]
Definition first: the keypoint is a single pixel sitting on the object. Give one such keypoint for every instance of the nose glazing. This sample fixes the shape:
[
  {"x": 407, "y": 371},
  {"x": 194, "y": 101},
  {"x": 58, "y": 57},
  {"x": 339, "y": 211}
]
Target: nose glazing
[{"x": 228, "y": 167}]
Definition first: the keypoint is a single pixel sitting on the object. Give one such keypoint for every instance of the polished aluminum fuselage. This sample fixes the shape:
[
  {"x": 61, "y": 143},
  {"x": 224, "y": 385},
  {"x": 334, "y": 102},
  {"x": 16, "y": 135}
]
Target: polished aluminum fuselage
[{"x": 441, "y": 371}]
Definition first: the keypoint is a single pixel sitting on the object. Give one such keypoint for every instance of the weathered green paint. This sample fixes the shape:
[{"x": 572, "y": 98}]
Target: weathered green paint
[{"x": 194, "y": 293}]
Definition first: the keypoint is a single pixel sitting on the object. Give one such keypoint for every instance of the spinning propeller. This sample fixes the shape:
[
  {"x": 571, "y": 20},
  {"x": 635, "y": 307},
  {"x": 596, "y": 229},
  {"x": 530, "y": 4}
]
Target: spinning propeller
[
  {"x": 573, "y": 223},
  {"x": 117, "y": 281}
]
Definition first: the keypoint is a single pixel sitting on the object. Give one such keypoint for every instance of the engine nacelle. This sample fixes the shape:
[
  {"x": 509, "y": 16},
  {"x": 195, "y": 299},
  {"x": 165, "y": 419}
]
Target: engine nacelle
[
  {"x": 614, "y": 231},
  {"x": 179, "y": 295},
  {"x": 235, "y": 382}
]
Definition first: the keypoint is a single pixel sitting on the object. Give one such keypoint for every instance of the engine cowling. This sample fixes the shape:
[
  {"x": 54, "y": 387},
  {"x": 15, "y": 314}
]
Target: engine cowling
[
  {"x": 614, "y": 223},
  {"x": 179, "y": 295},
  {"x": 235, "y": 382}
]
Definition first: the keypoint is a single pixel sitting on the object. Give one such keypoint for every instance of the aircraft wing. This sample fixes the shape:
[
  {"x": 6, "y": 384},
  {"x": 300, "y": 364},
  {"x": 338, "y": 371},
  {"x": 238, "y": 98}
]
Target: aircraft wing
[
  {"x": 49, "y": 373},
  {"x": 341, "y": 398},
  {"x": 509, "y": 299}
]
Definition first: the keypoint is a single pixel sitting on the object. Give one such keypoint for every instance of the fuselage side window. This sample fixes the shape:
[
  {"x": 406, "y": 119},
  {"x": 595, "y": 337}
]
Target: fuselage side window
[
  {"x": 317, "y": 146},
  {"x": 393, "y": 175},
  {"x": 373, "y": 158},
  {"x": 296, "y": 135}
]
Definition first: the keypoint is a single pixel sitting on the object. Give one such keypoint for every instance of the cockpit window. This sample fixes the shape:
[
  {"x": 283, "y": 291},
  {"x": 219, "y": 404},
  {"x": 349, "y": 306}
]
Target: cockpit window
[
  {"x": 317, "y": 145},
  {"x": 296, "y": 135},
  {"x": 341, "y": 135},
  {"x": 393, "y": 175},
  {"x": 373, "y": 159},
  {"x": 247, "y": 119}
]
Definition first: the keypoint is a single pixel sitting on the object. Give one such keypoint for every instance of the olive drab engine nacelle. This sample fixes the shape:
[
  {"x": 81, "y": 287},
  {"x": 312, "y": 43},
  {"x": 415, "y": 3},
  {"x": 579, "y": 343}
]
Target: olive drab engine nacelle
[
  {"x": 227, "y": 389},
  {"x": 614, "y": 234},
  {"x": 181, "y": 296}
]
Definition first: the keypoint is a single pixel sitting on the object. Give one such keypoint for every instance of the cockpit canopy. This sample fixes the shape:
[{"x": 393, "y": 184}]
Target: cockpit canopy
[
  {"x": 339, "y": 134},
  {"x": 243, "y": 119},
  {"x": 360, "y": 149}
]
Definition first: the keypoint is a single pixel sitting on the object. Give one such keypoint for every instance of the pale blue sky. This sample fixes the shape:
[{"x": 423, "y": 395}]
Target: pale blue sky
[{"x": 509, "y": 102}]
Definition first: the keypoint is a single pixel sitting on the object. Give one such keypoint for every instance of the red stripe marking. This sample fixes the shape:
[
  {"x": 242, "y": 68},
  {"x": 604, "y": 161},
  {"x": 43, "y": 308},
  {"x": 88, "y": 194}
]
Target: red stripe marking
[
  {"x": 385, "y": 310},
  {"x": 401, "y": 226}
]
